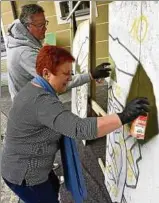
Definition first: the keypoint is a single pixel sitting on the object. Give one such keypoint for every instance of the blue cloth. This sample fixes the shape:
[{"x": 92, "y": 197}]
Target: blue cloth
[{"x": 74, "y": 180}]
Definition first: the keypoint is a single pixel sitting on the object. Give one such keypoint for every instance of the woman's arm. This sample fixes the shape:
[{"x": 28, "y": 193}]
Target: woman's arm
[
  {"x": 51, "y": 113},
  {"x": 107, "y": 124}
]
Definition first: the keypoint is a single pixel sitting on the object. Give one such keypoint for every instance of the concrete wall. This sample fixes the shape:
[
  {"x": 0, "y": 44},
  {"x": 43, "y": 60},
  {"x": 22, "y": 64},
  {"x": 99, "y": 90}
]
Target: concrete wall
[
  {"x": 6, "y": 14},
  {"x": 62, "y": 31},
  {"x": 132, "y": 165}
]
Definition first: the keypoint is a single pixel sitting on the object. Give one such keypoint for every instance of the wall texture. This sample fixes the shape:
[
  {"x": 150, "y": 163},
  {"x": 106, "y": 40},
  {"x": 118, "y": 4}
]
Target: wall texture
[
  {"x": 132, "y": 165},
  {"x": 62, "y": 31}
]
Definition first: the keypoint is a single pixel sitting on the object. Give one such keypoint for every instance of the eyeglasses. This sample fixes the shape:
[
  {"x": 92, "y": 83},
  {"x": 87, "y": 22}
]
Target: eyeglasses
[{"x": 40, "y": 26}]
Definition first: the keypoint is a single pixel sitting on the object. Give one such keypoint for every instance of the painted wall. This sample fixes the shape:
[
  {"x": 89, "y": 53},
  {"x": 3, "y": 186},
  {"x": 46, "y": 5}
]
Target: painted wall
[
  {"x": 63, "y": 31},
  {"x": 132, "y": 166},
  {"x": 81, "y": 54}
]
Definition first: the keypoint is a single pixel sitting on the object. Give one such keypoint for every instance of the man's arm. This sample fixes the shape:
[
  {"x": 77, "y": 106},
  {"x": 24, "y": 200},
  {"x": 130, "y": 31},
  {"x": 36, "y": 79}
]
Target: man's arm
[
  {"x": 28, "y": 61},
  {"x": 101, "y": 71},
  {"x": 78, "y": 80}
]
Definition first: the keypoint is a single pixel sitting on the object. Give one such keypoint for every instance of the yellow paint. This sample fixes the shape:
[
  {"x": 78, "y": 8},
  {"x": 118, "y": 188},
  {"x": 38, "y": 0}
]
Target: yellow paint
[
  {"x": 118, "y": 90},
  {"x": 116, "y": 151},
  {"x": 130, "y": 174},
  {"x": 129, "y": 157},
  {"x": 107, "y": 170},
  {"x": 127, "y": 128},
  {"x": 121, "y": 141},
  {"x": 114, "y": 190},
  {"x": 135, "y": 30}
]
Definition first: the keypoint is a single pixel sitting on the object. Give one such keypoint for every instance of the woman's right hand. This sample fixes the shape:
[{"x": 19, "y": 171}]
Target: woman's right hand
[{"x": 135, "y": 108}]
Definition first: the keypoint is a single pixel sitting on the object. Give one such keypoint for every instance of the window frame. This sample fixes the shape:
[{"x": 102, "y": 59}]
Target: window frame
[{"x": 79, "y": 15}]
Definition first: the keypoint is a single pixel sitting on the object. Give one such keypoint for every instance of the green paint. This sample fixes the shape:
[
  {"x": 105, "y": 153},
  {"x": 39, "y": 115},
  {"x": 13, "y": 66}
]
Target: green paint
[
  {"x": 142, "y": 87},
  {"x": 113, "y": 72},
  {"x": 50, "y": 38},
  {"x": 78, "y": 69}
]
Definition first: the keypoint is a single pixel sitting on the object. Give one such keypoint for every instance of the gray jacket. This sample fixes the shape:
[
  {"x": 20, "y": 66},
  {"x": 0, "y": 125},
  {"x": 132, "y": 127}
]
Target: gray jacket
[{"x": 22, "y": 50}]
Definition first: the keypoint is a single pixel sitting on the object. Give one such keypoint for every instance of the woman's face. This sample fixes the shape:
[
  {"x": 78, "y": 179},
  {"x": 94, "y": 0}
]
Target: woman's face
[{"x": 63, "y": 75}]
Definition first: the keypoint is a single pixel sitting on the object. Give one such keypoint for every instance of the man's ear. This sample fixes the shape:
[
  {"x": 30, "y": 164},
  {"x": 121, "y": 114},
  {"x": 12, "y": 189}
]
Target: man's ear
[{"x": 27, "y": 26}]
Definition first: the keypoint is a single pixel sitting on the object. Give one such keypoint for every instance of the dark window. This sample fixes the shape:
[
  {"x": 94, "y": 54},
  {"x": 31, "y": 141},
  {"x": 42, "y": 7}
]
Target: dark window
[{"x": 82, "y": 9}]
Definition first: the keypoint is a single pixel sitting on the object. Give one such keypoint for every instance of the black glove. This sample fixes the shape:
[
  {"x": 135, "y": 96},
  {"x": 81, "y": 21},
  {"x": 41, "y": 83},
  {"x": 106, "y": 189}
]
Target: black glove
[
  {"x": 101, "y": 71},
  {"x": 137, "y": 107}
]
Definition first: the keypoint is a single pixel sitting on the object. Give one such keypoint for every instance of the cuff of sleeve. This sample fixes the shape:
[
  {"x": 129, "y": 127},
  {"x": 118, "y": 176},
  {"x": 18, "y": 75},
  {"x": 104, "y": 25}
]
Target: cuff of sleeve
[
  {"x": 93, "y": 132},
  {"x": 86, "y": 78}
]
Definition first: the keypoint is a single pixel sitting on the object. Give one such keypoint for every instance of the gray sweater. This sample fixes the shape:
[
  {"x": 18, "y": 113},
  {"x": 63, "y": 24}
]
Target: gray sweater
[
  {"x": 22, "y": 51},
  {"x": 36, "y": 122}
]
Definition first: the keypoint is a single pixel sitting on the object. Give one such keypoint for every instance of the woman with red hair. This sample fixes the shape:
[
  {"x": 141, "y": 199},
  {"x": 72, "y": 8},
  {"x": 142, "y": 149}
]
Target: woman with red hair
[{"x": 38, "y": 122}]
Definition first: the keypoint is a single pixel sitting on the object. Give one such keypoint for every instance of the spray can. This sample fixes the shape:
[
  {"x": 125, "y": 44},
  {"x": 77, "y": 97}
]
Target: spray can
[{"x": 138, "y": 127}]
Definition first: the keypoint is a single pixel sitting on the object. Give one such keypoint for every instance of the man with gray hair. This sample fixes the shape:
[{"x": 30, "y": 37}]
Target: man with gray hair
[
  {"x": 25, "y": 37},
  {"x": 23, "y": 44}
]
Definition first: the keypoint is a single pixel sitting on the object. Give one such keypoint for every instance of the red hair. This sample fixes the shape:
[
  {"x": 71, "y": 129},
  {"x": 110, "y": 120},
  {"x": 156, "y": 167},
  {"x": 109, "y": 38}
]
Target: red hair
[{"x": 51, "y": 57}]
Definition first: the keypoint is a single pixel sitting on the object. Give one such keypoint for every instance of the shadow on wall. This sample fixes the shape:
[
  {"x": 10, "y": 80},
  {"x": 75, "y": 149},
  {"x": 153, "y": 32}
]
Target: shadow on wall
[{"x": 142, "y": 87}]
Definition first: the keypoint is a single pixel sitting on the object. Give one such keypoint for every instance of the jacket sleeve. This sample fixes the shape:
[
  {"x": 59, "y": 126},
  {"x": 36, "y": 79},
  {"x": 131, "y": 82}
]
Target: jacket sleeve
[
  {"x": 51, "y": 112},
  {"x": 28, "y": 61},
  {"x": 78, "y": 80}
]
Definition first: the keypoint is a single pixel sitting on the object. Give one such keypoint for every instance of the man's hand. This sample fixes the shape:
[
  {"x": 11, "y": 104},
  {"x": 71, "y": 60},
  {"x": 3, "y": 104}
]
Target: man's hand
[{"x": 101, "y": 71}]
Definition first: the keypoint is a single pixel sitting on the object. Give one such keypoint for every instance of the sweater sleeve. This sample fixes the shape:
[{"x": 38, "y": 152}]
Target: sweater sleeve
[
  {"x": 78, "y": 80},
  {"x": 28, "y": 61},
  {"x": 51, "y": 113}
]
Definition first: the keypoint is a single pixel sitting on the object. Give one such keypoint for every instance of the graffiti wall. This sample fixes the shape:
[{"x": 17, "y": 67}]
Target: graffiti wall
[
  {"x": 132, "y": 166},
  {"x": 80, "y": 53}
]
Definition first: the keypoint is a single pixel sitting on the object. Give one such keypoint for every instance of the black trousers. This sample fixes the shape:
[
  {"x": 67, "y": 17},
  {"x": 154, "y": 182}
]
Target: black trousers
[{"x": 46, "y": 192}]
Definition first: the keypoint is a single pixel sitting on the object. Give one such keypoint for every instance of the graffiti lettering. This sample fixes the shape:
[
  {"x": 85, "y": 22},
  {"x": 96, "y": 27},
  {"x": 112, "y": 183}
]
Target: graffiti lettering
[{"x": 139, "y": 28}]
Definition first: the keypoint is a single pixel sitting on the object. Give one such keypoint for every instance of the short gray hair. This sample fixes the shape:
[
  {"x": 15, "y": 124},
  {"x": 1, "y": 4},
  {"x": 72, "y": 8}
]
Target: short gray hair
[{"x": 27, "y": 12}]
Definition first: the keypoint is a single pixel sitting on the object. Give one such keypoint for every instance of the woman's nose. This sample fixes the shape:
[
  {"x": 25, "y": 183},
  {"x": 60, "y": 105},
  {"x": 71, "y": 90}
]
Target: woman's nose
[{"x": 69, "y": 78}]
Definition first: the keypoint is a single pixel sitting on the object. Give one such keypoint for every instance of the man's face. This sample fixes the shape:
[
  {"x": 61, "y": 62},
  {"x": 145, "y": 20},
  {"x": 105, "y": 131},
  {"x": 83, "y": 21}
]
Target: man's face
[{"x": 37, "y": 26}]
